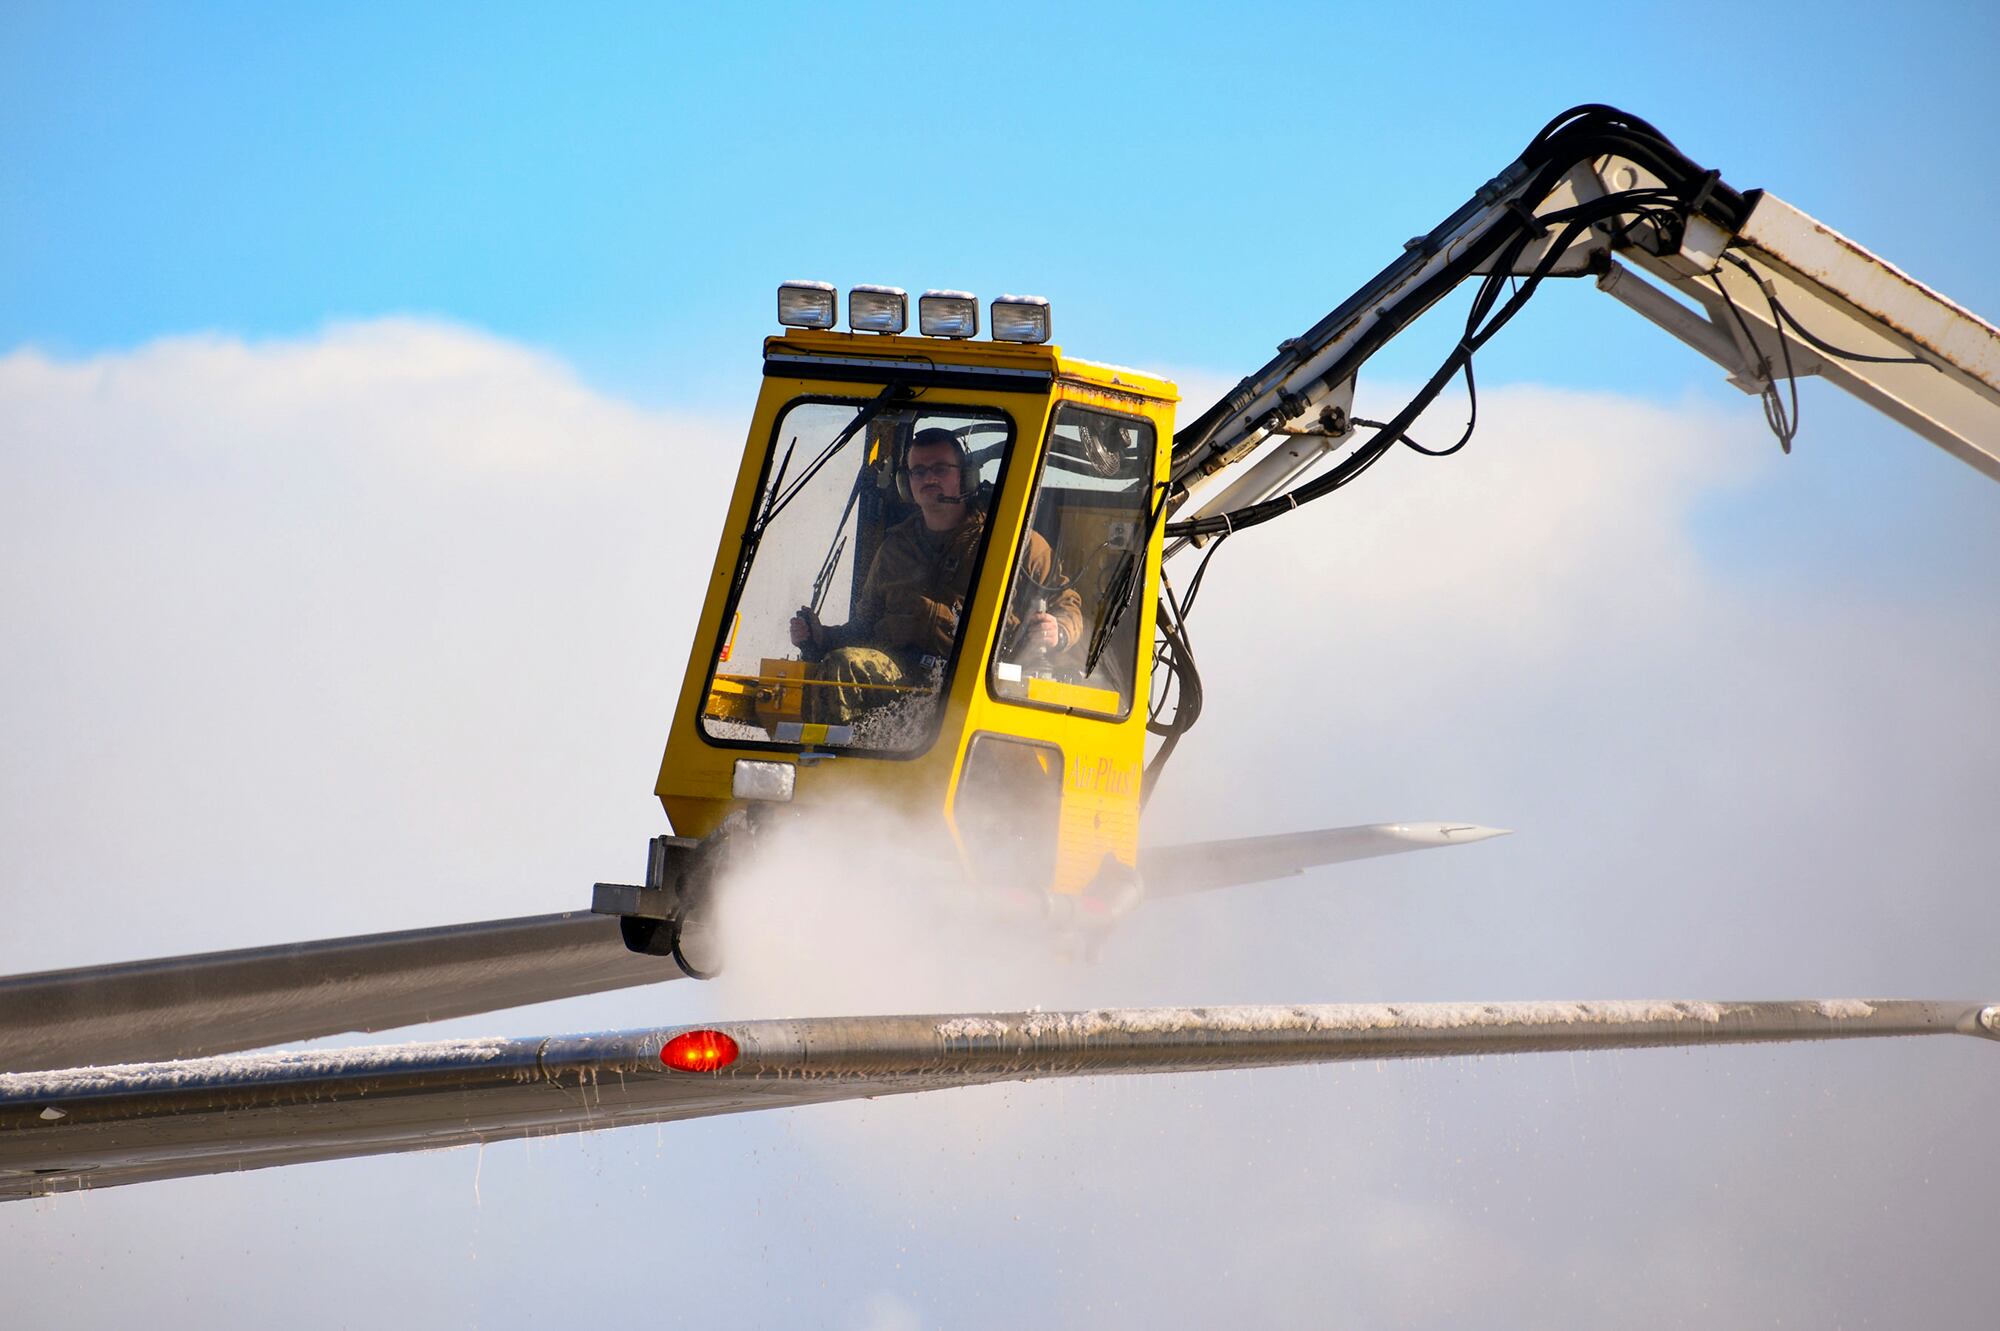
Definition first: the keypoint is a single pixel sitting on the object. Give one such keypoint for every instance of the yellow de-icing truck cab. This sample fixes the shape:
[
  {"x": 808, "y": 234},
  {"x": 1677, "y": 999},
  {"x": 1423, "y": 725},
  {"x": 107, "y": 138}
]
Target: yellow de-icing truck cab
[{"x": 973, "y": 652}]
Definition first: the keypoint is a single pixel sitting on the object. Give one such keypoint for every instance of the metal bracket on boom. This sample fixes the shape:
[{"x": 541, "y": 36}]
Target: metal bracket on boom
[
  {"x": 666, "y": 917},
  {"x": 658, "y": 899},
  {"x": 1292, "y": 451},
  {"x": 1697, "y": 331}
]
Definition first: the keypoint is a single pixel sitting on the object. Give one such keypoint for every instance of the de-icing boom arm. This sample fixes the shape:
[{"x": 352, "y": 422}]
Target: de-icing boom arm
[{"x": 1774, "y": 294}]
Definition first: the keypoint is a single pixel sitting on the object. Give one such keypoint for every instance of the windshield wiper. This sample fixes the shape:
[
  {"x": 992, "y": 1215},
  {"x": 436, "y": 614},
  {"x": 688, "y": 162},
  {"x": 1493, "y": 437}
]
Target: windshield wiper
[
  {"x": 1118, "y": 597},
  {"x": 825, "y": 578},
  {"x": 775, "y": 502}
]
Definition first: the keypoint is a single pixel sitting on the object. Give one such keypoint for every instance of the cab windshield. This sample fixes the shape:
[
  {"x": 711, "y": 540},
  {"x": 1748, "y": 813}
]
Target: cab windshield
[{"x": 862, "y": 549}]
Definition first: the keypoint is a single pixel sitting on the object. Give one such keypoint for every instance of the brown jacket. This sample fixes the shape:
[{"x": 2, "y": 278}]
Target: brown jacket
[{"x": 916, "y": 587}]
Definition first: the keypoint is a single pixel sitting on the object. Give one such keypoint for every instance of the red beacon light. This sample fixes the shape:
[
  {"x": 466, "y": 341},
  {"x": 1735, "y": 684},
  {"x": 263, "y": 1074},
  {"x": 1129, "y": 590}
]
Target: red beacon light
[{"x": 699, "y": 1051}]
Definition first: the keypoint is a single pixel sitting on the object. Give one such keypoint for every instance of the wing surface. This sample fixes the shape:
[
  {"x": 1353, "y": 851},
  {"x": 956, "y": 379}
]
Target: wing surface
[
  {"x": 219, "y": 1002},
  {"x": 222, "y": 1002},
  {"x": 1171, "y": 871},
  {"x": 97, "y": 1127}
]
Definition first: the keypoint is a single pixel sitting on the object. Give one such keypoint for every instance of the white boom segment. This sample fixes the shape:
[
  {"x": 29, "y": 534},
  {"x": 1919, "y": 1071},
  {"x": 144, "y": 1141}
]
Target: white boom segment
[{"x": 1939, "y": 372}]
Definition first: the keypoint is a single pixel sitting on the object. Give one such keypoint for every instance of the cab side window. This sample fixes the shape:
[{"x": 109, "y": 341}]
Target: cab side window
[{"x": 1071, "y": 638}]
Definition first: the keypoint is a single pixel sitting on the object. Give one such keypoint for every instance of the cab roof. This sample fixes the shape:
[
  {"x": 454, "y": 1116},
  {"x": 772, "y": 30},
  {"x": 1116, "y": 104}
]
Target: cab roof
[{"x": 971, "y": 353}]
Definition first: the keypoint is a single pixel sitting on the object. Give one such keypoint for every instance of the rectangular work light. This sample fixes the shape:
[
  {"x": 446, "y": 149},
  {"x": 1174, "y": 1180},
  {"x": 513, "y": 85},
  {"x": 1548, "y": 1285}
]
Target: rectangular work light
[
  {"x": 1020, "y": 319},
  {"x": 948, "y": 314},
  {"x": 878, "y": 309},
  {"x": 806, "y": 304}
]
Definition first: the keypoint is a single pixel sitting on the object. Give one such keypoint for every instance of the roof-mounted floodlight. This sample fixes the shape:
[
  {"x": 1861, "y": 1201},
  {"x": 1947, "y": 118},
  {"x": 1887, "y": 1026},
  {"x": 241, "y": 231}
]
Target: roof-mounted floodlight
[
  {"x": 948, "y": 314},
  {"x": 806, "y": 304},
  {"x": 878, "y": 309},
  {"x": 1020, "y": 319}
]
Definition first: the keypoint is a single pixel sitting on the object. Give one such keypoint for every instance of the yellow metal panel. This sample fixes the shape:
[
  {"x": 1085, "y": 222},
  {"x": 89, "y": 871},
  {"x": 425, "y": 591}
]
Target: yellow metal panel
[
  {"x": 732, "y": 698},
  {"x": 1115, "y": 380},
  {"x": 1058, "y": 694}
]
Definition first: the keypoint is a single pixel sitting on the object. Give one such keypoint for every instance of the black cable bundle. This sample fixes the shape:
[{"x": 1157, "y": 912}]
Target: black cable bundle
[{"x": 1580, "y": 134}]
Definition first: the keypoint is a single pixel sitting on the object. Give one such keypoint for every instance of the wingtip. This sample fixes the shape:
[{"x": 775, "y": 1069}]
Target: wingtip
[{"x": 1446, "y": 834}]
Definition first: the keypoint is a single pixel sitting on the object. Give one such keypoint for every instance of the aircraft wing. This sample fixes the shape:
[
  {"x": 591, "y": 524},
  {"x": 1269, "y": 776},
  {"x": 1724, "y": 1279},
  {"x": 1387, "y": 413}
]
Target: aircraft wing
[
  {"x": 219, "y": 1002},
  {"x": 1171, "y": 871},
  {"x": 251, "y": 998},
  {"x": 98, "y": 1127}
]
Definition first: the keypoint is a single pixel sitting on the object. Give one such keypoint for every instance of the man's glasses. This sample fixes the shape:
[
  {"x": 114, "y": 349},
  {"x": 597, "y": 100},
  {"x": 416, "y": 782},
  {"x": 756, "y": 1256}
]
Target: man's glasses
[{"x": 940, "y": 470}]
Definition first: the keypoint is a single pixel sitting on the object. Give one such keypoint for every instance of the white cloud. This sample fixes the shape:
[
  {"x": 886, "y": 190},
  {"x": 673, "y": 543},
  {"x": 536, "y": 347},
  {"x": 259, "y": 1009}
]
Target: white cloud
[{"x": 333, "y": 634}]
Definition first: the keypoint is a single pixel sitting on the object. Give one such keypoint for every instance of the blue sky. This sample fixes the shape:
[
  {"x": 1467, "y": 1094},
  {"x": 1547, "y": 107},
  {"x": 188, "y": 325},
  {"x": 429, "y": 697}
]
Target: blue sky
[
  {"x": 370, "y": 379},
  {"x": 624, "y": 185}
]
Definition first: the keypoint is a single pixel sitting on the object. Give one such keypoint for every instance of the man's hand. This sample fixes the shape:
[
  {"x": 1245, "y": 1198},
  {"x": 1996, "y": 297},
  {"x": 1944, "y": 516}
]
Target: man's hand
[
  {"x": 805, "y": 628},
  {"x": 1040, "y": 630}
]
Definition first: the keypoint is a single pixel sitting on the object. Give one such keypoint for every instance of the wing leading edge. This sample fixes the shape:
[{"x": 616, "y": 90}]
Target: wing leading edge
[{"x": 98, "y": 1127}]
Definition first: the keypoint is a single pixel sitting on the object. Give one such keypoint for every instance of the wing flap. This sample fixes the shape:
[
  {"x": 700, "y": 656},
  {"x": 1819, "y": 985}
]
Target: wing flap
[
  {"x": 220, "y": 1002},
  {"x": 98, "y": 1127}
]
